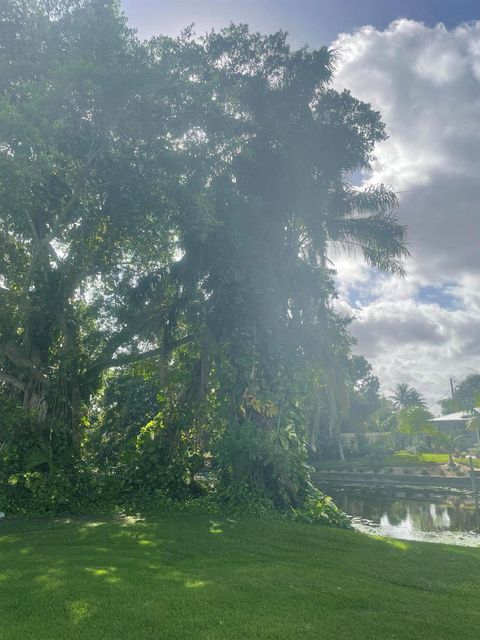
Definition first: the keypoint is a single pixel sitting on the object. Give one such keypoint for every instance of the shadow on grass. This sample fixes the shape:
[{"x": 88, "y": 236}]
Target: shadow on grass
[{"x": 193, "y": 577}]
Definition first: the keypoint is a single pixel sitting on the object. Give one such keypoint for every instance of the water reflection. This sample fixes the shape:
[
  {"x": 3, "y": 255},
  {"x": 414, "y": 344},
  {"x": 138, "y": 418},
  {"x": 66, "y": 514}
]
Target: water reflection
[{"x": 403, "y": 518}]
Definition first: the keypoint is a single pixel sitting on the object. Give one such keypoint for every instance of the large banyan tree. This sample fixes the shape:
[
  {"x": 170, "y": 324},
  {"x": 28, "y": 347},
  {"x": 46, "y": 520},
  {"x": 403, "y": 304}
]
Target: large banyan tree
[{"x": 172, "y": 202}]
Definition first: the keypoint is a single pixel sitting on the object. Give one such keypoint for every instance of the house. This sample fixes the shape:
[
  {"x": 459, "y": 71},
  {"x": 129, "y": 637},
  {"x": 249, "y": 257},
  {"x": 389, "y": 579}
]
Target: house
[{"x": 457, "y": 424}]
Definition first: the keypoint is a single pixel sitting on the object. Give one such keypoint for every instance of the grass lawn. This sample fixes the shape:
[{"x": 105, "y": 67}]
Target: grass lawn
[
  {"x": 401, "y": 458},
  {"x": 404, "y": 457},
  {"x": 180, "y": 576}
]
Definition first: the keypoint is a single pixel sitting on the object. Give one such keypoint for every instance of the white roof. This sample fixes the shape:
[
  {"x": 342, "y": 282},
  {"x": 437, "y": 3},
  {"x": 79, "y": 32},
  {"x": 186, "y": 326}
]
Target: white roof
[{"x": 457, "y": 416}]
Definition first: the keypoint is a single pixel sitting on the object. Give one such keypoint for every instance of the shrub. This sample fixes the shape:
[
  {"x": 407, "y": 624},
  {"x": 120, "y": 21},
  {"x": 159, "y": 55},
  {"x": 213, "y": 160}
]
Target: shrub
[{"x": 321, "y": 509}]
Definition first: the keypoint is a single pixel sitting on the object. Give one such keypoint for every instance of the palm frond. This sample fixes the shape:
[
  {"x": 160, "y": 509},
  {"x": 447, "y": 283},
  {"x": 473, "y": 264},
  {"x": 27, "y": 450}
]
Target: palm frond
[{"x": 366, "y": 221}]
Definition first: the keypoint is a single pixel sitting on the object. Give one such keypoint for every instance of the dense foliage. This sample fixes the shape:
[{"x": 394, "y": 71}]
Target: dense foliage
[{"x": 166, "y": 211}]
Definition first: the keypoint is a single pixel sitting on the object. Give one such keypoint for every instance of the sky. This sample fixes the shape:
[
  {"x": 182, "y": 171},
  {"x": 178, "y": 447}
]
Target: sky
[{"x": 418, "y": 63}]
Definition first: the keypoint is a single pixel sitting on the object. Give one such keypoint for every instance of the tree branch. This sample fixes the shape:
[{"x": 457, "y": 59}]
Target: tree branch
[
  {"x": 94, "y": 151},
  {"x": 129, "y": 358},
  {"x": 18, "y": 384},
  {"x": 14, "y": 355}
]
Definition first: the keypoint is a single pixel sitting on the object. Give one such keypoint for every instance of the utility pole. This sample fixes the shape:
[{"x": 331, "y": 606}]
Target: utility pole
[
  {"x": 475, "y": 492},
  {"x": 452, "y": 389}
]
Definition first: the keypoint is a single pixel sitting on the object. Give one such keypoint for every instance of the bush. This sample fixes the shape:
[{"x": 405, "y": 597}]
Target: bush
[
  {"x": 419, "y": 443},
  {"x": 321, "y": 509},
  {"x": 363, "y": 445},
  {"x": 39, "y": 492},
  {"x": 259, "y": 464}
]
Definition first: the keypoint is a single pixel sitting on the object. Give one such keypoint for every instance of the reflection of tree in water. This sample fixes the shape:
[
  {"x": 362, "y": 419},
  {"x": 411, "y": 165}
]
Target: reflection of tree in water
[
  {"x": 397, "y": 512},
  {"x": 417, "y": 515},
  {"x": 461, "y": 518},
  {"x": 372, "y": 508},
  {"x": 427, "y": 517}
]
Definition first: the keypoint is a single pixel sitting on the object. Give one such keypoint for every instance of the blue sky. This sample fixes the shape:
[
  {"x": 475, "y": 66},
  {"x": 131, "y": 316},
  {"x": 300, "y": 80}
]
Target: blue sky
[
  {"x": 441, "y": 295},
  {"x": 314, "y": 21}
]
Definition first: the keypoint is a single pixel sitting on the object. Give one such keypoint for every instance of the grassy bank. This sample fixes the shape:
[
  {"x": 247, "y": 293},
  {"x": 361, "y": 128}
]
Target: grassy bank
[
  {"x": 182, "y": 576},
  {"x": 401, "y": 458}
]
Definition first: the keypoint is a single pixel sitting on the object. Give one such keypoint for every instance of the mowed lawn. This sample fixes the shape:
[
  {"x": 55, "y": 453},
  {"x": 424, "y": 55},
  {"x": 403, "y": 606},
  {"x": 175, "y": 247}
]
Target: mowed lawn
[{"x": 184, "y": 576}]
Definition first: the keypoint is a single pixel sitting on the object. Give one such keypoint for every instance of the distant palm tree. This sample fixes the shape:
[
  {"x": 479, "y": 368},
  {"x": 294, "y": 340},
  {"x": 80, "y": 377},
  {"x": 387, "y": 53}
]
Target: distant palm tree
[
  {"x": 450, "y": 442},
  {"x": 405, "y": 397}
]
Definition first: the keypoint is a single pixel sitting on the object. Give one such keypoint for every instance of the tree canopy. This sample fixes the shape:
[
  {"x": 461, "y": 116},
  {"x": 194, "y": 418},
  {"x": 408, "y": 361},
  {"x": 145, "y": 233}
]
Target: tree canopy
[{"x": 166, "y": 213}]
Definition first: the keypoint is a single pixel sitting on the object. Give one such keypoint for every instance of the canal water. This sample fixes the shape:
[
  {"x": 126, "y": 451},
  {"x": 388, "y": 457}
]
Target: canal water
[{"x": 452, "y": 521}]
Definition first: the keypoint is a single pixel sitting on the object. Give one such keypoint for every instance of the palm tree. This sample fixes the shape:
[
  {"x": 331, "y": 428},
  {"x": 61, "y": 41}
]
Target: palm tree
[
  {"x": 363, "y": 222},
  {"x": 414, "y": 420},
  {"x": 405, "y": 397},
  {"x": 450, "y": 443}
]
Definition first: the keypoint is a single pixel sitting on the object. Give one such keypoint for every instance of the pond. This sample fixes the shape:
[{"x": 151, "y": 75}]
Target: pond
[{"x": 452, "y": 521}]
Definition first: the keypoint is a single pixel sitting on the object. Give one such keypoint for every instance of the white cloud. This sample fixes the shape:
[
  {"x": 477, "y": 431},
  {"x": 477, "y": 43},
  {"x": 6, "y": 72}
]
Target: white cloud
[{"x": 426, "y": 83}]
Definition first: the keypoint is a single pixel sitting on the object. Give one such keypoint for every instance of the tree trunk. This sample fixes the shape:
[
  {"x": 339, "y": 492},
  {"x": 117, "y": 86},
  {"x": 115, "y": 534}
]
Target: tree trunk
[
  {"x": 34, "y": 399},
  {"x": 315, "y": 422}
]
